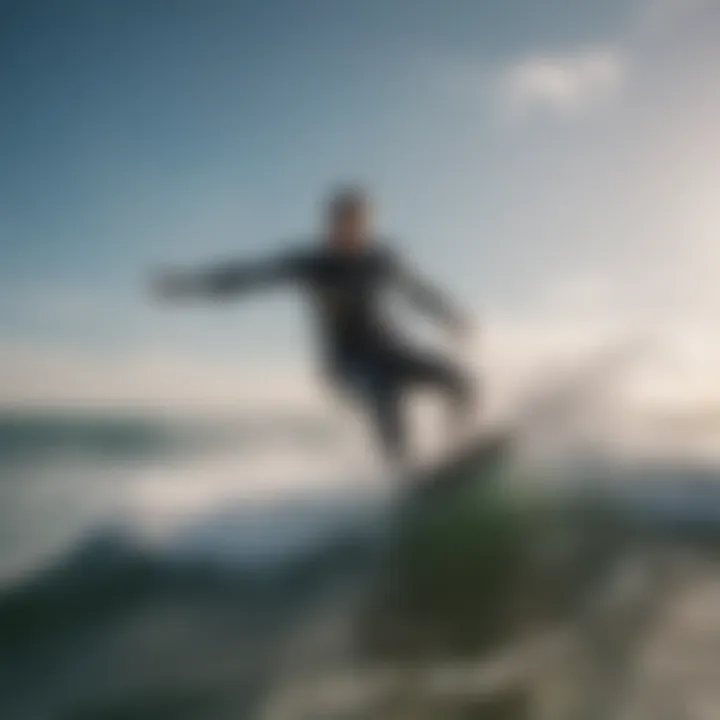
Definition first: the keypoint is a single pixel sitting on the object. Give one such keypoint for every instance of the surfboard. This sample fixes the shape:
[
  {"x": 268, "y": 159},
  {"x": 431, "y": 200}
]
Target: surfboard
[
  {"x": 459, "y": 477},
  {"x": 447, "y": 537},
  {"x": 469, "y": 464}
]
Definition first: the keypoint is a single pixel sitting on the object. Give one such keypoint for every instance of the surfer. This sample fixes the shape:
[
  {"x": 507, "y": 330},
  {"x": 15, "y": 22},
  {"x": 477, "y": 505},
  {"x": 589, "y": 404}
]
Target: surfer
[{"x": 346, "y": 272}]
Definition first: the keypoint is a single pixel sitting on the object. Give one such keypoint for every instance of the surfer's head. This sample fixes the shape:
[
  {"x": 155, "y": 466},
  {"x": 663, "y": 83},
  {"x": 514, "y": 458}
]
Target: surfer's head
[{"x": 348, "y": 219}]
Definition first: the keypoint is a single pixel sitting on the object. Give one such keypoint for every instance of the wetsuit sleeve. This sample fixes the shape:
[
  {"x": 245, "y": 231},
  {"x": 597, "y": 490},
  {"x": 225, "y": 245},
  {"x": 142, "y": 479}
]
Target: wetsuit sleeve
[
  {"x": 424, "y": 295},
  {"x": 235, "y": 278}
]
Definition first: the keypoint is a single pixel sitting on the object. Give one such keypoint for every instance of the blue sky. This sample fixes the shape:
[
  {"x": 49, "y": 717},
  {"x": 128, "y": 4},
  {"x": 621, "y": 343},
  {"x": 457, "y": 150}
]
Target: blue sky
[{"x": 539, "y": 158}]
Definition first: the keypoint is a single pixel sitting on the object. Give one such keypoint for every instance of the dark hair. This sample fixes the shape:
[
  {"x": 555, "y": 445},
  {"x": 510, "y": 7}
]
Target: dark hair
[{"x": 347, "y": 199}]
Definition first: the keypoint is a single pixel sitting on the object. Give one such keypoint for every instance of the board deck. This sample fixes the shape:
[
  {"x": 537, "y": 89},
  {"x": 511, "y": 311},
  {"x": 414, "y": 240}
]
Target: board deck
[{"x": 460, "y": 467}]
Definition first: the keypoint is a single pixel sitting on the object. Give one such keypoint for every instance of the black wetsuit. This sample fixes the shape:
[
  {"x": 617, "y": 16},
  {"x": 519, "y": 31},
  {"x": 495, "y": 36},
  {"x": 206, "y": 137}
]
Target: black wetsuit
[{"x": 361, "y": 350}]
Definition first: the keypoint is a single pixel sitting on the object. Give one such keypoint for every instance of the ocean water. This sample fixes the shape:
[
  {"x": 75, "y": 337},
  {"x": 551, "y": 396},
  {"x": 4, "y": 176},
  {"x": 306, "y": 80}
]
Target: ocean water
[{"x": 156, "y": 568}]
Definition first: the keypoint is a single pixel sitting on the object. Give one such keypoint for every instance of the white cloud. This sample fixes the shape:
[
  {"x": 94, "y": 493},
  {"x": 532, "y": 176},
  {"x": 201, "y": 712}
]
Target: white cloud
[{"x": 563, "y": 84}]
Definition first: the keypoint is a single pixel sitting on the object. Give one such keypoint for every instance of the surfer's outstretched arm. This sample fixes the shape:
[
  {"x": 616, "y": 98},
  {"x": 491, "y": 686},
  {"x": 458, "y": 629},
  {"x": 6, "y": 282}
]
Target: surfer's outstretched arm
[
  {"x": 427, "y": 298},
  {"x": 229, "y": 279}
]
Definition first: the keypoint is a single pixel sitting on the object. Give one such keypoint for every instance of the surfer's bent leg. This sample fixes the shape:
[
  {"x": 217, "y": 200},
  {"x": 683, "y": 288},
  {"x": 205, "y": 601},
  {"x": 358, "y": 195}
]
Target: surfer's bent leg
[
  {"x": 438, "y": 372},
  {"x": 381, "y": 396},
  {"x": 386, "y": 408}
]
